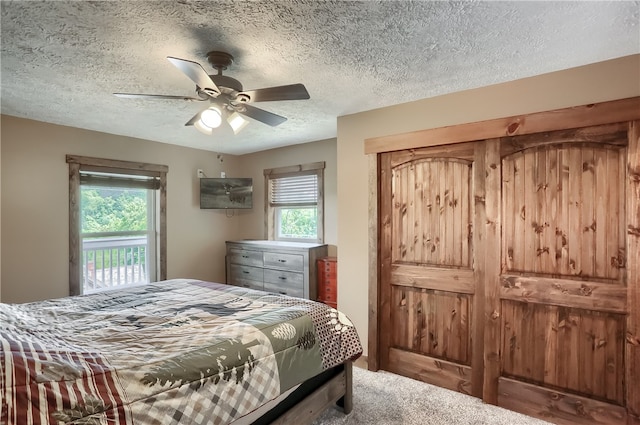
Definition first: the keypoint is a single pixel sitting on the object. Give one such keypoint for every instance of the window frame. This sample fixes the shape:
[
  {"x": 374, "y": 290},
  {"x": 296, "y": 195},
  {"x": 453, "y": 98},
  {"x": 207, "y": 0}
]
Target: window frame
[
  {"x": 150, "y": 187},
  {"x": 270, "y": 211},
  {"x": 83, "y": 163}
]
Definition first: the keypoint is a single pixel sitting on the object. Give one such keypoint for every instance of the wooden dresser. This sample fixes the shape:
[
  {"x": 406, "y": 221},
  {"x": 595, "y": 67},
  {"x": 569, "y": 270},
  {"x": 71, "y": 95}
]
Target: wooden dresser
[
  {"x": 275, "y": 266},
  {"x": 328, "y": 281}
]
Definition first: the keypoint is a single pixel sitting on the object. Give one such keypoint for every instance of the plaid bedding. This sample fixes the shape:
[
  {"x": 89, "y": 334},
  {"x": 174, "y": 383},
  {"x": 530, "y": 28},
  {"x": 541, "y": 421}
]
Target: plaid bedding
[{"x": 172, "y": 352}]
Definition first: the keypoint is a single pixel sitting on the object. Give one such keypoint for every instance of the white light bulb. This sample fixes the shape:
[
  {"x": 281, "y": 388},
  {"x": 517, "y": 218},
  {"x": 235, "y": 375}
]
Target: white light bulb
[{"x": 211, "y": 117}]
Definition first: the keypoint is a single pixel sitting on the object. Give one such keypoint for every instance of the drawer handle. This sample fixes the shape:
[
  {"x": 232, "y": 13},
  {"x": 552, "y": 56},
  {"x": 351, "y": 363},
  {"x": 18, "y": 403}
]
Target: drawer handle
[
  {"x": 245, "y": 256},
  {"x": 282, "y": 277},
  {"x": 282, "y": 261},
  {"x": 245, "y": 272},
  {"x": 282, "y": 292}
]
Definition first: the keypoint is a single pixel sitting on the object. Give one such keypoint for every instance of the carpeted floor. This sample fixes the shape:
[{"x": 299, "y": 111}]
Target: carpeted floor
[{"x": 384, "y": 398}]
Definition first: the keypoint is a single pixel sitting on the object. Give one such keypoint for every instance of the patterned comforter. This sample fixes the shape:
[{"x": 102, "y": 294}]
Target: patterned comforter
[{"x": 173, "y": 352}]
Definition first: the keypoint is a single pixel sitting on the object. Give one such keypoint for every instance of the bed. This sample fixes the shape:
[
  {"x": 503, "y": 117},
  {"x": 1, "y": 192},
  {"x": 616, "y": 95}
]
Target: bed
[{"x": 173, "y": 352}]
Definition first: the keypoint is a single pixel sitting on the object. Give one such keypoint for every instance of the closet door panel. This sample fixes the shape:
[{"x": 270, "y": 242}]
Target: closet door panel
[
  {"x": 430, "y": 281},
  {"x": 563, "y": 287},
  {"x": 562, "y": 208}
]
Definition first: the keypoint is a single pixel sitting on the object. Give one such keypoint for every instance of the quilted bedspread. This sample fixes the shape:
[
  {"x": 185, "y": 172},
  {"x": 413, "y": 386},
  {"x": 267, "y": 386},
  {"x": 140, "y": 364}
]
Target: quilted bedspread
[{"x": 172, "y": 352}]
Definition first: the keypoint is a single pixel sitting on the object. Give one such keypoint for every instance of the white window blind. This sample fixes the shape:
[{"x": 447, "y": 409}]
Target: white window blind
[
  {"x": 131, "y": 181},
  {"x": 294, "y": 190}
]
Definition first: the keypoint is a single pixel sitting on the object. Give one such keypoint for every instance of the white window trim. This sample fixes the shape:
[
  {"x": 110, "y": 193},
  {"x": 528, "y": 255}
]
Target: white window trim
[{"x": 316, "y": 168}]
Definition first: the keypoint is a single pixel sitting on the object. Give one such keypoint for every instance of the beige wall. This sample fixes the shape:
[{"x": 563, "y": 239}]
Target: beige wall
[
  {"x": 599, "y": 82},
  {"x": 252, "y": 165},
  {"x": 34, "y": 209}
]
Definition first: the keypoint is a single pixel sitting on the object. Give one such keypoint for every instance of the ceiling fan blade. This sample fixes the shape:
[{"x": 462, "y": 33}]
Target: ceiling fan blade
[
  {"x": 193, "y": 120},
  {"x": 197, "y": 74},
  {"x": 154, "y": 96},
  {"x": 289, "y": 92},
  {"x": 261, "y": 115}
]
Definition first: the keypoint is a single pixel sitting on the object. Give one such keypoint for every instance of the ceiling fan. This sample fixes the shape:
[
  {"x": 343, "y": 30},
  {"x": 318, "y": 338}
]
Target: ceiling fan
[{"x": 228, "y": 101}]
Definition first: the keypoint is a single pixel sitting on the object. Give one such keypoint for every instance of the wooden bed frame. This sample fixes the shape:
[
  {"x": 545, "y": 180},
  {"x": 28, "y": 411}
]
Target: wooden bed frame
[{"x": 313, "y": 397}]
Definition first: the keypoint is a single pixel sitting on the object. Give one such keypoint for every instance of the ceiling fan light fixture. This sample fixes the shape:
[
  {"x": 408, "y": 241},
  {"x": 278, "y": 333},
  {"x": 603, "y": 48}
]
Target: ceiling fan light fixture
[
  {"x": 226, "y": 96},
  {"x": 202, "y": 128},
  {"x": 236, "y": 122},
  {"x": 211, "y": 117}
]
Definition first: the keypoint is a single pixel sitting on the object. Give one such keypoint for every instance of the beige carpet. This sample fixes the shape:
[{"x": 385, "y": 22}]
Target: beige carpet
[{"x": 381, "y": 398}]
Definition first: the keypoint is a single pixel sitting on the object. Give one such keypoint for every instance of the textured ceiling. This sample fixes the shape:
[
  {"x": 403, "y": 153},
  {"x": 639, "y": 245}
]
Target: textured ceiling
[{"x": 62, "y": 60}]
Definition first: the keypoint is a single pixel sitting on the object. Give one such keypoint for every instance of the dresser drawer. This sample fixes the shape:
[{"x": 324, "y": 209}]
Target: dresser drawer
[
  {"x": 249, "y": 277},
  {"x": 284, "y": 261},
  {"x": 285, "y": 288},
  {"x": 327, "y": 291},
  {"x": 250, "y": 284},
  {"x": 246, "y": 257},
  {"x": 284, "y": 282},
  {"x": 328, "y": 269},
  {"x": 327, "y": 284},
  {"x": 328, "y": 297}
]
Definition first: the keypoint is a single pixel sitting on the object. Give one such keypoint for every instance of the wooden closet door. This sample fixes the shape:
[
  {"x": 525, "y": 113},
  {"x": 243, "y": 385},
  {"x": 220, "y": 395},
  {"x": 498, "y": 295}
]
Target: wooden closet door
[
  {"x": 508, "y": 268},
  {"x": 563, "y": 284},
  {"x": 427, "y": 278}
]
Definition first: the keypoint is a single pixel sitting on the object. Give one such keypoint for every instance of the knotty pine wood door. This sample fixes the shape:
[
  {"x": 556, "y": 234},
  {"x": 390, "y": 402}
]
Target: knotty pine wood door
[
  {"x": 427, "y": 255},
  {"x": 504, "y": 270},
  {"x": 563, "y": 290}
]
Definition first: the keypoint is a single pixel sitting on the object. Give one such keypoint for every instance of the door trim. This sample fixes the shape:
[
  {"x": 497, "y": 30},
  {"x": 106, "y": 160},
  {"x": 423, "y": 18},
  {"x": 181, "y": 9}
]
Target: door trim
[{"x": 560, "y": 119}]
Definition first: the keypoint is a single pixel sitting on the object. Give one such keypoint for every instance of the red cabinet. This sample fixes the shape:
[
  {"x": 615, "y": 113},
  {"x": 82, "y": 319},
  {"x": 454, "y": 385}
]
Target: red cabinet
[{"x": 328, "y": 281}]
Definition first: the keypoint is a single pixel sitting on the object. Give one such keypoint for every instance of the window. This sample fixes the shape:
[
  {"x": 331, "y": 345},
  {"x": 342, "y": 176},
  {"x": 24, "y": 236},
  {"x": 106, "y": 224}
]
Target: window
[
  {"x": 117, "y": 223},
  {"x": 294, "y": 204}
]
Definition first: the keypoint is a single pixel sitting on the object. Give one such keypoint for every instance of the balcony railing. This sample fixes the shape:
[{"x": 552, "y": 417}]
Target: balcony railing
[{"x": 114, "y": 261}]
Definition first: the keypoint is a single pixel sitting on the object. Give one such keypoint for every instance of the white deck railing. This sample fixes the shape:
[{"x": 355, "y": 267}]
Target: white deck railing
[{"x": 114, "y": 261}]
